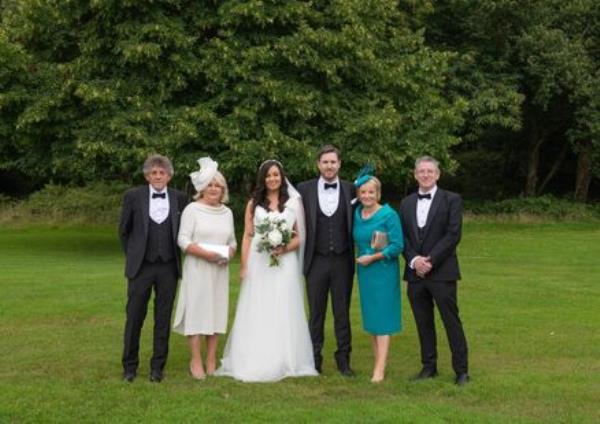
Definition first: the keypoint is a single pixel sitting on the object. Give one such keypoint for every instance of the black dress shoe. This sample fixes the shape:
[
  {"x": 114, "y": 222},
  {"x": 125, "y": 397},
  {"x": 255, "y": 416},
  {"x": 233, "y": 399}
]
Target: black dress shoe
[
  {"x": 462, "y": 379},
  {"x": 129, "y": 376},
  {"x": 347, "y": 371},
  {"x": 424, "y": 374},
  {"x": 319, "y": 363},
  {"x": 156, "y": 376}
]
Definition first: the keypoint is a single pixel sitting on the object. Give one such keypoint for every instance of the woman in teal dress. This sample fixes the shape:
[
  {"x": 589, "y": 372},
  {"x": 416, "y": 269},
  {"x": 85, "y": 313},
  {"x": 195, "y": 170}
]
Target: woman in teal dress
[{"x": 378, "y": 269}]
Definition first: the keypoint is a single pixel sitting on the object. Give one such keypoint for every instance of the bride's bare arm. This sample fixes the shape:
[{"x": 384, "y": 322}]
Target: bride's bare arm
[
  {"x": 294, "y": 242},
  {"x": 247, "y": 238}
]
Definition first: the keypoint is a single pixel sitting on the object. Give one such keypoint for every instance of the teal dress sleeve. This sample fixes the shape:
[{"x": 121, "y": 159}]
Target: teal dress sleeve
[{"x": 395, "y": 238}]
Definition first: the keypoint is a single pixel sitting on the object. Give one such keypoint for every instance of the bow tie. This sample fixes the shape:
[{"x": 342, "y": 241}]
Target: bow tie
[
  {"x": 424, "y": 196},
  {"x": 161, "y": 195},
  {"x": 332, "y": 185}
]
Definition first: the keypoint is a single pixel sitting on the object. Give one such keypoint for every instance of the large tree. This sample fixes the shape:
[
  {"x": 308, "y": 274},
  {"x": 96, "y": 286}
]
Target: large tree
[
  {"x": 240, "y": 80},
  {"x": 531, "y": 69}
]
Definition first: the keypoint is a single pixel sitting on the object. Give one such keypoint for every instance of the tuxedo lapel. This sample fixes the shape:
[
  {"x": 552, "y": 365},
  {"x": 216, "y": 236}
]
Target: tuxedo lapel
[
  {"x": 145, "y": 202},
  {"x": 346, "y": 198},
  {"x": 412, "y": 207},
  {"x": 173, "y": 210},
  {"x": 435, "y": 204},
  {"x": 313, "y": 198}
]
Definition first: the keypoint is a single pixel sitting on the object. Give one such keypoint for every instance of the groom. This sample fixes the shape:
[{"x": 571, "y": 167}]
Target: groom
[{"x": 329, "y": 256}]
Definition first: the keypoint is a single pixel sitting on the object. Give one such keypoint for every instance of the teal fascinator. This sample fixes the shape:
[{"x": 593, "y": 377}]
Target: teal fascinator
[{"x": 365, "y": 174}]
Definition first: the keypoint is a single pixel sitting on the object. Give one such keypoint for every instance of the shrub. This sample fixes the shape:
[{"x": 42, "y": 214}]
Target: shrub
[
  {"x": 97, "y": 203},
  {"x": 539, "y": 207}
]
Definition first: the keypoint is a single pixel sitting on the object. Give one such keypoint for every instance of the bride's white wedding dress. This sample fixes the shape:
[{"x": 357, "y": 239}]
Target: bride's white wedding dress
[{"x": 269, "y": 339}]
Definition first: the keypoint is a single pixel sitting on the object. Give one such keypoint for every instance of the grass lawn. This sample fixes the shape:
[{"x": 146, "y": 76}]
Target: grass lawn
[{"x": 530, "y": 304}]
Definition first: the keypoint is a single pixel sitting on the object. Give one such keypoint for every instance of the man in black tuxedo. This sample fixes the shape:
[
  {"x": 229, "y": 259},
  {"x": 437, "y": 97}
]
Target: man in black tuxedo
[
  {"x": 431, "y": 221},
  {"x": 148, "y": 231},
  {"x": 329, "y": 256}
]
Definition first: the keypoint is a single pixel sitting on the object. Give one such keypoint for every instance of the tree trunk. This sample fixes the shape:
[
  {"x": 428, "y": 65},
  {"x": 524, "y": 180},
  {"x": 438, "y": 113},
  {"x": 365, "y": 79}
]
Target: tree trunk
[
  {"x": 559, "y": 160},
  {"x": 583, "y": 178},
  {"x": 536, "y": 139}
]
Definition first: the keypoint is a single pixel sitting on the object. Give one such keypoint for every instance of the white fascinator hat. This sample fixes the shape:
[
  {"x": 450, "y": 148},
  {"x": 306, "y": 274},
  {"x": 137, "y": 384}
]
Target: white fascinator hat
[{"x": 207, "y": 171}]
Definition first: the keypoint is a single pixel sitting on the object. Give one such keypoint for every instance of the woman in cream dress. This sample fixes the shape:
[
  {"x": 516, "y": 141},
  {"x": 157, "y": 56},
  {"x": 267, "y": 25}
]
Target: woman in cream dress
[{"x": 207, "y": 237}]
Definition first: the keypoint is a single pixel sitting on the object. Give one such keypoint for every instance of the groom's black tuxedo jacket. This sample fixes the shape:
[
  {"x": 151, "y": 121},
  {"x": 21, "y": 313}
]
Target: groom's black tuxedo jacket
[
  {"x": 438, "y": 239},
  {"x": 310, "y": 200},
  {"x": 133, "y": 226}
]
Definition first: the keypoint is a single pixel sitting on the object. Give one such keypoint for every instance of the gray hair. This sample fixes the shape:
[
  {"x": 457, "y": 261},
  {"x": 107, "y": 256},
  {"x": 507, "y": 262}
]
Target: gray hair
[
  {"x": 430, "y": 159},
  {"x": 159, "y": 161},
  {"x": 222, "y": 182}
]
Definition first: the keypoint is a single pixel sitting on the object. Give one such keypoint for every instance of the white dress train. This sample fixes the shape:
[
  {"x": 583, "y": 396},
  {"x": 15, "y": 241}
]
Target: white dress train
[{"x": 269, "y": 339}]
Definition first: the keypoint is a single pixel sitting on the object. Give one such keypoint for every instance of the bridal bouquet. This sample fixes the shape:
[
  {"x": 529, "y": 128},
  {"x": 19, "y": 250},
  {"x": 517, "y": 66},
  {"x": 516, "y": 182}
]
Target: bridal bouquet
[{"x": 273, "y": 232}]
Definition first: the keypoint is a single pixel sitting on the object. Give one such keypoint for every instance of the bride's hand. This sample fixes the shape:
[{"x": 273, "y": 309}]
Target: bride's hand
[
  {"x": 242, "y": 273},
  {"x": 278, "y": 251}
]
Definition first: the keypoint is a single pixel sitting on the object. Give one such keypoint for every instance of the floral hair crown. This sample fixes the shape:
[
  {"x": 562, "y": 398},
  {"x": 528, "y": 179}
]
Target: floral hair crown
[{"x": 364, "y": 175}]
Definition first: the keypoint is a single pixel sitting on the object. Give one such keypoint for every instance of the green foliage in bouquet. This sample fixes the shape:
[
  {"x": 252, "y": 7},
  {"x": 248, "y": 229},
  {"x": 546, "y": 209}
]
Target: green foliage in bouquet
[{"x": 274, "y": 232}]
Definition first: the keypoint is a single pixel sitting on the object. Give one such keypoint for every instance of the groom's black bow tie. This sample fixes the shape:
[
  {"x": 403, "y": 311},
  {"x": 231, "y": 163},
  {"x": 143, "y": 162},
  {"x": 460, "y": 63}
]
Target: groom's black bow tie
[
  {"x": 161, "y": 195},
  {"x": 424, "y": 196},
  {"x": 332, "y": 185}
]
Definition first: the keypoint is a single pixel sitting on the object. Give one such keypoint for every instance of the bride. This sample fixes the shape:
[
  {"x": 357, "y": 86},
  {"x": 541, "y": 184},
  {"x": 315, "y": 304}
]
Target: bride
[{"x": 269, "y": 339}]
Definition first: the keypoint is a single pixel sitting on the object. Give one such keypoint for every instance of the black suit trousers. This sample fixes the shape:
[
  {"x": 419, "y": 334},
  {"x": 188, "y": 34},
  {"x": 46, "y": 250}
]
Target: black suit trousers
[
  {"x": 162, "y": 277},
  {"x": 330, "y": 274},
  {"x": 422, "y": 295}
]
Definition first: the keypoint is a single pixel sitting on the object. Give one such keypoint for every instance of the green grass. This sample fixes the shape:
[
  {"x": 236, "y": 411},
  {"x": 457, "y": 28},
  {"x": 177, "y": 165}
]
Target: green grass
[{"x": 529, "y": 300}]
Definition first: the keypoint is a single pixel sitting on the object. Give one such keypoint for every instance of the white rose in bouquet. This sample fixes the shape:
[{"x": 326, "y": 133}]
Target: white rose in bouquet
[{"x": 275, "y": 237}]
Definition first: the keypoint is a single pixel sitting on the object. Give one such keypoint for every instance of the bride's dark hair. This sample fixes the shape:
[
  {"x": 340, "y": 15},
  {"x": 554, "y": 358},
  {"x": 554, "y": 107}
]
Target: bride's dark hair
[{"x": 259, "y": 195}]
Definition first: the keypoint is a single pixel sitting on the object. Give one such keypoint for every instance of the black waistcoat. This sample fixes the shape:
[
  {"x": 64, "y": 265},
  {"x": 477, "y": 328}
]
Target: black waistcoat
[
  {"x": 332, "y": 231},
  {"x": 159, "y": 247}
]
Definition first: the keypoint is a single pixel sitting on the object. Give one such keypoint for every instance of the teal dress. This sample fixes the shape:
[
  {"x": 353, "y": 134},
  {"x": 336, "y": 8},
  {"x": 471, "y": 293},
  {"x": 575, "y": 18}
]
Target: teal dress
[{"x": 379, "y": 282}]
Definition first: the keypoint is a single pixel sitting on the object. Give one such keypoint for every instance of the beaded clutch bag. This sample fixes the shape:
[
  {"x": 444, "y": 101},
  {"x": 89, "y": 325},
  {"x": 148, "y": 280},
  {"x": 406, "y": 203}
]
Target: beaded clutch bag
[{"x": 379, "y": 240}]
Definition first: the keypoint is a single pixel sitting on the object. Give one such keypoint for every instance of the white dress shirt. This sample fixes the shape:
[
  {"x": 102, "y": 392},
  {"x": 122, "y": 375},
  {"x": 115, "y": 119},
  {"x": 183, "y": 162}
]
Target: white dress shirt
[
  {"x": 159, "y": 208},
  {"x": 423, "y": 206},
  {"x": 328, "y": 199}
]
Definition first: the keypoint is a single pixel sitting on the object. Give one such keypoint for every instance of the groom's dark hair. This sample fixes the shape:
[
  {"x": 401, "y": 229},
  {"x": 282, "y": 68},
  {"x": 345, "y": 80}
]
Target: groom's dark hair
[{"x": 329, "y": 148}]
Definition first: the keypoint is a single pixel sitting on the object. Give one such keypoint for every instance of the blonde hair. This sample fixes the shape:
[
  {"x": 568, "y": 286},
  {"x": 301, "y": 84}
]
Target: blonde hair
[
  {"x": 377, "y": 184},
  {"x": 220, "y": 180}
]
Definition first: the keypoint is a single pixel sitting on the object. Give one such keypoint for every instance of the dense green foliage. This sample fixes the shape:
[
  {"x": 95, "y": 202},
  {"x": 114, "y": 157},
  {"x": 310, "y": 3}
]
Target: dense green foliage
[
  {"x": 530, "y": 316},
  {"x": 507, "y": 88},
  {"x": 239, "y": 80}
]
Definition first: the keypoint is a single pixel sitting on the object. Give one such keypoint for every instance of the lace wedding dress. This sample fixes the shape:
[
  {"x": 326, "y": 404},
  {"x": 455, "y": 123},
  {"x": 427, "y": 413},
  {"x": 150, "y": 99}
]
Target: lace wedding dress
[{"x": 269, "y": 339}]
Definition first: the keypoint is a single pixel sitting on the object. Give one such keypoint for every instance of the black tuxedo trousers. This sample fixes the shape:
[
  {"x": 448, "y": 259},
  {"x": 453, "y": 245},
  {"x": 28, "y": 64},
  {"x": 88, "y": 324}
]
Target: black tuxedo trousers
[
  {"x": 162, "y": 277},
  {"x": 422, "y": 295},
  {"x": 330, "y": 274}
]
